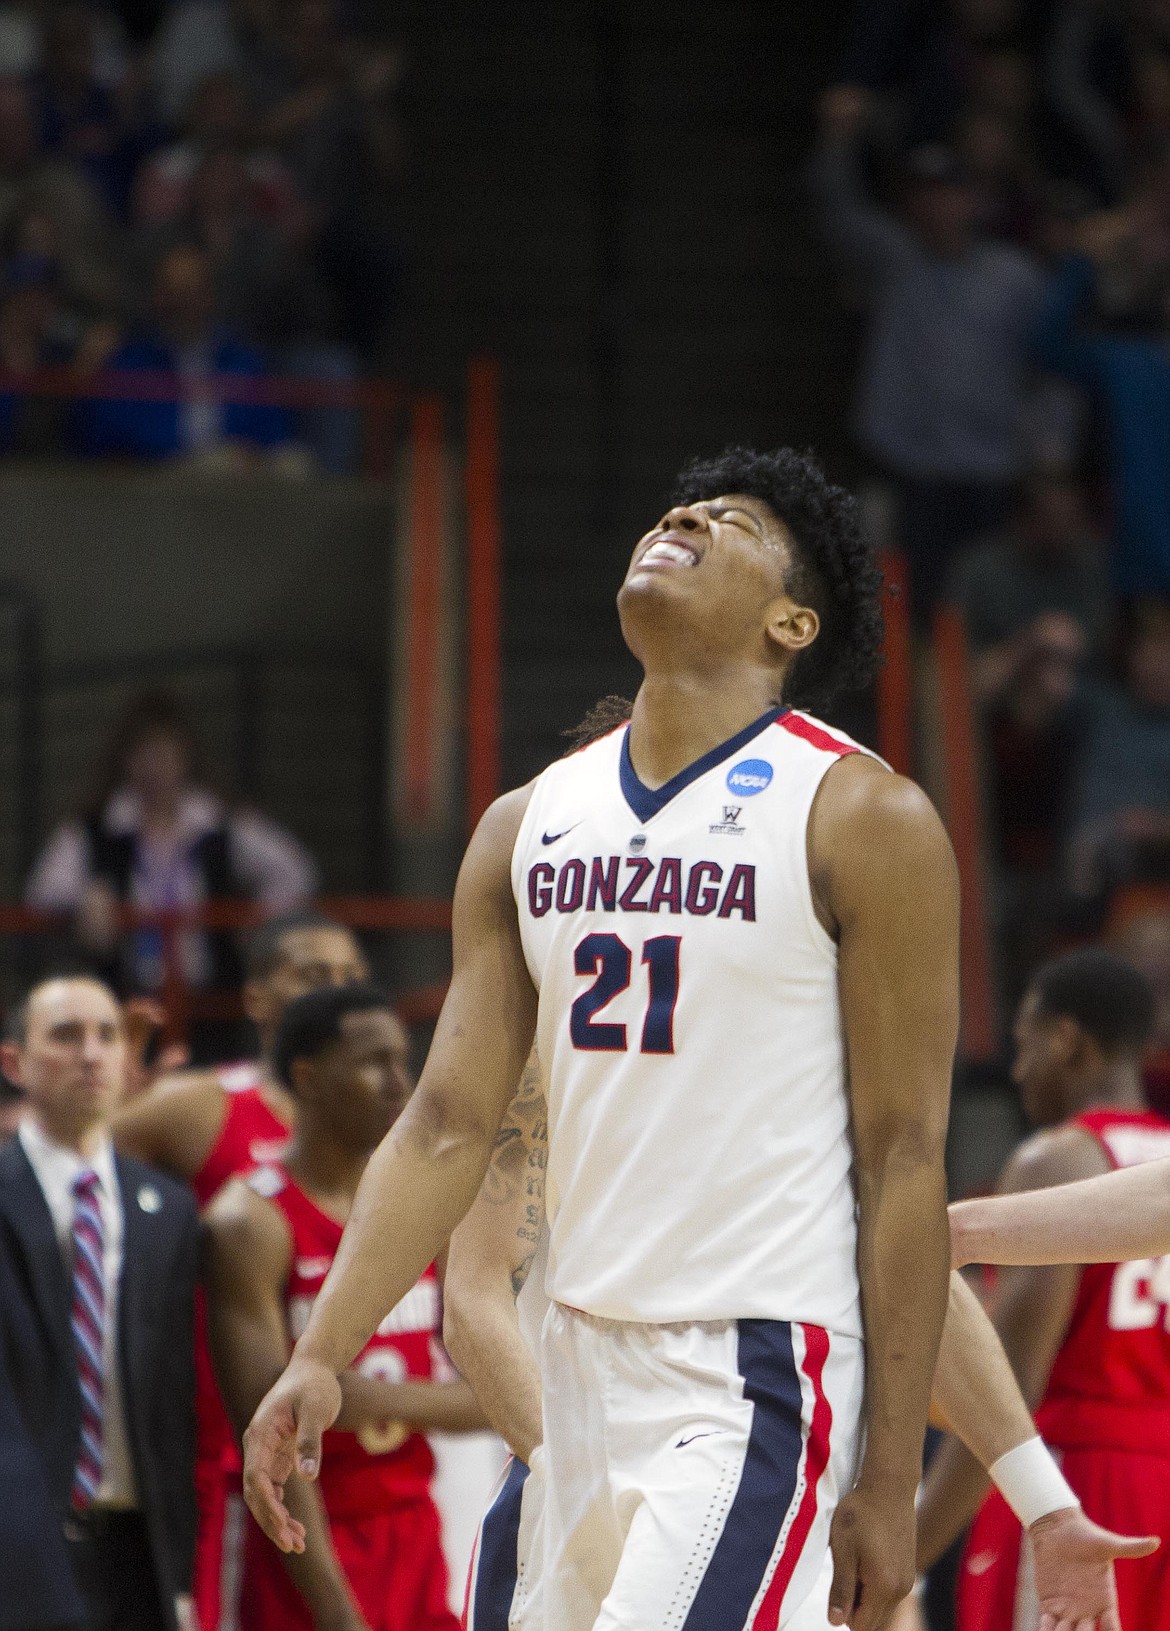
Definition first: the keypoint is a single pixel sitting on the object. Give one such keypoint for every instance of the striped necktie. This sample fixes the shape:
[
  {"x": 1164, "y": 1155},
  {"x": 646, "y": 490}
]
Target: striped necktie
[{"x": 88, "y": 1321}]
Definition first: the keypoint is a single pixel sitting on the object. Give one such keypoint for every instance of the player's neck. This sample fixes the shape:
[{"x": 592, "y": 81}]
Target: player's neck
[
  {"x": 1118, "y": 1084},
  {"x": 681, "y": 715},
  {"x": 326, "y": 1170},
  {"x": 277, "y": 1097}
]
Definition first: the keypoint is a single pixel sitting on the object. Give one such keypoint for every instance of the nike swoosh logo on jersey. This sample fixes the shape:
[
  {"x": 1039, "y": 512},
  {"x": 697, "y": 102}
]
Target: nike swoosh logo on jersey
[
  {"x": 683, "y": 1442},
  {"x": 981, "y": 1562},
  {"x": 551, "y": 837}
]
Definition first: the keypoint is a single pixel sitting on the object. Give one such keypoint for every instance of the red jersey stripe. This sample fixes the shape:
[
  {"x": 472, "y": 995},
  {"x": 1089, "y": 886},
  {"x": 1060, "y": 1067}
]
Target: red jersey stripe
[
  {"x": 808, "y": 732},
  {"x": 816, "y": 1459}
]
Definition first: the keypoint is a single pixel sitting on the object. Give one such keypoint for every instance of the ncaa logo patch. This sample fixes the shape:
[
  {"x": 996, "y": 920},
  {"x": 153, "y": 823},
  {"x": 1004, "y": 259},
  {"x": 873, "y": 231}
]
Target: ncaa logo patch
[{"x": 749, "y": 776}]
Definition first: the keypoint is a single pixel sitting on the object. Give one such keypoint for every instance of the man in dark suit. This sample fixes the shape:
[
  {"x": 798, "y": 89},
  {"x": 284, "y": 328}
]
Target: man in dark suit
[{"x": 96, "y": 1312}]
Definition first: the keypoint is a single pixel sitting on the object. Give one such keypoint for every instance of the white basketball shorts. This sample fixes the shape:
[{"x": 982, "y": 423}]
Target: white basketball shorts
[{"x": 692, "y": 1471}]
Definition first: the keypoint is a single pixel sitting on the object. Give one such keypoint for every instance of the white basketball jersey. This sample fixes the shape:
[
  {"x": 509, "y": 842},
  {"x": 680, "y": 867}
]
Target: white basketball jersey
[{"x": 700, "y": 1163}]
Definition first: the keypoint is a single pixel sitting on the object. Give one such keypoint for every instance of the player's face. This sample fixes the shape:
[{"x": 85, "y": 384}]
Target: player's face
[
  {"x": 72, "y": 1064},
  {"x": 312, "y": 959},
  {"x": 1041, "y": 1064},
  {"x": 364, "y": 1081},
  {"x": 716, "y": 572}
]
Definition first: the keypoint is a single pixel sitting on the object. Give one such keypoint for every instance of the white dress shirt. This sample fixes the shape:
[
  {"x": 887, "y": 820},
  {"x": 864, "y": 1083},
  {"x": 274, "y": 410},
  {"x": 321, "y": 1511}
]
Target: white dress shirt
[{"x": 57, "y": 1169}]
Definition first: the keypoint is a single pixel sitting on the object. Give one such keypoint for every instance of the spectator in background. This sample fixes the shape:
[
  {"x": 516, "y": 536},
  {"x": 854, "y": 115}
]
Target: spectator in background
[
  {"x": 187, "y": 339},
  {"x": 38, "y": 331},
  {"x": 202, "y": 37},
  {"x": 33, "y": 183},
  {"x": 944, "y": 380},
  {"x": 154, "y": 835},
  {"x": 1035, "y": 602},
  {"x": 332, "y": 115},
  {"x": 1121, "y": 810},
  {"x": 217, "y": 120},
  {"x": 1129, "y": 375},
  {"x": 80, "y": 118}
]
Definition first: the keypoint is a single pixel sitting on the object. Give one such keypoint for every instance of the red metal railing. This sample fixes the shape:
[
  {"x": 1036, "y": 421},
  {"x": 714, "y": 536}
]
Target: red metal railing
[
  {"x": 980, "y": 1031},
  {"x": 183, "y": 1004}
]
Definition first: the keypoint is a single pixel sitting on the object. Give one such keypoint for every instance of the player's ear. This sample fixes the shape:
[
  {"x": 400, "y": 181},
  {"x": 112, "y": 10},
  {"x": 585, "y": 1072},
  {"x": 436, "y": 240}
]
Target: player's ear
[
  {"x": 301, "y": 1073},
  {"x": 1070, "y": 1041},
  {"x": 10, "y": 1063},
  {"x": 790, "y": 626}
]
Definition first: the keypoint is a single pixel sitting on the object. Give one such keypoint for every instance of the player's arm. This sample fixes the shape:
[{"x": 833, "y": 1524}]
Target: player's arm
[
  {"x": 490, "y": 1255},
  {"x": 424, "y": 1407},
  {"x": 882, "y": 867},
  {"x": 424, "y": 1175},
  {"x": 247, "y": 1264},
  {"x": 977, "y": 1397},
  {"x": 173, "y": 1124},
  {"x": 1110, "y": 1219},
  {"x": 1030, "y": 1314}
]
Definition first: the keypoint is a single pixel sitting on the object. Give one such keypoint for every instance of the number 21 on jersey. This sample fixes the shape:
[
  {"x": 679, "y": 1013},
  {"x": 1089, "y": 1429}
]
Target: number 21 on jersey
[{"x": 609, "y": 961}]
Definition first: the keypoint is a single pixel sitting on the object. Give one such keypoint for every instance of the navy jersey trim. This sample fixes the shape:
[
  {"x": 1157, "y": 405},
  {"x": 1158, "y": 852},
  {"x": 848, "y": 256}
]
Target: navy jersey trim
[
  {"x": 646, "y": 802},
  {"x": 493, "y": 1584}
]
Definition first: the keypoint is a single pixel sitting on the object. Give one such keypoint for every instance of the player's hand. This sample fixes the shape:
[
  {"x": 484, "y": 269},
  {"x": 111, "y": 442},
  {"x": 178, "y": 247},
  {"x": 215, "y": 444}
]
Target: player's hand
[
  {"x": 1073, "y": 1562},
  {"x": 872, "y": 1540},
  {"x": 283, "y": 1438}
]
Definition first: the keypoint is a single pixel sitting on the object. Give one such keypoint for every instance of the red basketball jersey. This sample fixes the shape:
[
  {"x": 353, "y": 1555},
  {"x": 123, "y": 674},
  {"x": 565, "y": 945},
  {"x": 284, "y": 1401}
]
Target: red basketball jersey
[
  {"x": 368, "y": 1471},
  {"x": 250, "y": 1135},
  {"x": 1110, "y": 1385}
]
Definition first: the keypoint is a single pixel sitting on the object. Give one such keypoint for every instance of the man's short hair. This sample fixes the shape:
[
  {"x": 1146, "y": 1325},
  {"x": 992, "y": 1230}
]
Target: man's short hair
[
  {"x": 15, "y": 1026},
  {"x": 1107, "y": 997},
  {"x": 265, "y": 948},
  {"x": 313, "y": 1022}
]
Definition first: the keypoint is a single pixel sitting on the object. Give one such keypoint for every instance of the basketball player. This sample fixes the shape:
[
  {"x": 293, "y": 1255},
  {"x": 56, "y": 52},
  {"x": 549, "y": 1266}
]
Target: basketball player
[
  {"x": 204, "y": 1126},
  {"x": 493, "y": 1304},
  {"x": 374, "y": 1557},
  {"x": 1089, "y": 1345},
  {"x": 705, "y": 917}
]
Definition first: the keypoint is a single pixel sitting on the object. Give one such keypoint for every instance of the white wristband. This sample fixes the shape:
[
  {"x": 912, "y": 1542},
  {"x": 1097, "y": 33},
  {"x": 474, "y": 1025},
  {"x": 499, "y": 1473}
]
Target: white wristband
[{"x": 1031, "y": 1483}]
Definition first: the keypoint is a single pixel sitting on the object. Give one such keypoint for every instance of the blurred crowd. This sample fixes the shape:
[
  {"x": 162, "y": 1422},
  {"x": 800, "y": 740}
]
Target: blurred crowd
[
  {"x": 203, "y": 187},
  {"x": 994, "y": 179}
]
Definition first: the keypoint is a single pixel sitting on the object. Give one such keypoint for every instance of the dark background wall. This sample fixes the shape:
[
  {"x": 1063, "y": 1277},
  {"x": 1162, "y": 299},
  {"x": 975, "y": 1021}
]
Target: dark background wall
[{"x": 610, "y": 197}]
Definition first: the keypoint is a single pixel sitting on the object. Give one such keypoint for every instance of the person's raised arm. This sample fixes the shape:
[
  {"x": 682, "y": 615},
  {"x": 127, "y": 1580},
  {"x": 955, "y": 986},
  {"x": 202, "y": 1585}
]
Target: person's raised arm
[
  {"x": 424, "y": 1175},
  {"x": 976, "y": 1396},
  {"x": 1031, "y": 1314},
  {"x": 1110, "y": 1219},
  {"x": 883, "y": 871},
  {"x": 491, "y": 1253},
  {"x": 248, "y": 1255}
]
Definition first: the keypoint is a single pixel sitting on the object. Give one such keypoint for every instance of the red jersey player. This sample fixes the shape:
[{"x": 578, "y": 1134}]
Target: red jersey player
[
  {"x": 373, "y": 1556},
  {"x": 1091, "y": 1345},
  {"x": 205, "y": 1126}
]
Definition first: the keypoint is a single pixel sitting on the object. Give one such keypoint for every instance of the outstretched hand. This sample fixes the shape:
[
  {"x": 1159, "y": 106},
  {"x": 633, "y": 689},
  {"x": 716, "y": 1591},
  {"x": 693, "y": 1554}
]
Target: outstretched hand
[
  {"x": 1073, "y": 1561},
  {"x": 283, "y": 1440}
]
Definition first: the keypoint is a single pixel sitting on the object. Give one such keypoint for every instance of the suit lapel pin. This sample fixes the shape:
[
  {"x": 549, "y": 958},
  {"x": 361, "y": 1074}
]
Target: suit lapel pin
[{"x": 149, "y": 1199}]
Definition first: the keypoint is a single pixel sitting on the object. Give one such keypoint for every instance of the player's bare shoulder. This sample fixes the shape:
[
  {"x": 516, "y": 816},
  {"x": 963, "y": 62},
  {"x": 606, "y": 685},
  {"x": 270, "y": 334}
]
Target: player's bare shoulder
[
  {"x": 1055, "y": 1155},
  {"x": 485, "y": 877},
  {"x": 245, "y": 1233},
  {"x": 872, "y": 832},
  {"x": 175, "y": 1123}
]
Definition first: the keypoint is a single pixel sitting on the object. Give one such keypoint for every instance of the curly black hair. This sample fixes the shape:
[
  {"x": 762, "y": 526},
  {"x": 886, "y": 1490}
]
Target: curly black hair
[{"x": 834, "y": 570}]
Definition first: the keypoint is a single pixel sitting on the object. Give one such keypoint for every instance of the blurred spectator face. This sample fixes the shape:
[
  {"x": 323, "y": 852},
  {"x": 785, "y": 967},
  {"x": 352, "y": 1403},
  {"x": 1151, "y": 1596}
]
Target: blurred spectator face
[
  {"x": 1004, "y": 81},
  {"x": 158, "y": 767},
  {"x": 1045, "y": 1050},
  {"x": 1052, "y": 674},
  {"x": 311, "y": 959},
  {"x": 1144, "y": 941},
  {"x": 989, "y": 147},
  {"x": 18, "y": 141},
  {"x": 1054, "y": 520},
  {"x": 311, "y": 41},
  {"x": 944, "y": 213},
  {"x": 220, "y": 186},
  {"x": 361, "y": 1084},
  {"x": 1148, "y": 658},
  {"x": 218, "y": 111},
  {"x": 71, "y": 1064},
  {"x": 184, "y": 300}
]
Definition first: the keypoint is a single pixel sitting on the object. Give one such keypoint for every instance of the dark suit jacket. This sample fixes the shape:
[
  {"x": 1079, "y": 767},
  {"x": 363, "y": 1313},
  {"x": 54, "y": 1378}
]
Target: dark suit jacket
[{"x": 155, "y": 1342}]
